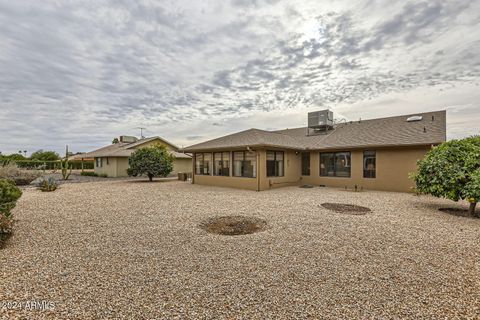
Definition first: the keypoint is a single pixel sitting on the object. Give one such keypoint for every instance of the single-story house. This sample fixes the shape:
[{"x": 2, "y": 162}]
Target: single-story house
[
  {"x": 113, "y": 159},
  {"x": 376, "y": 154}
]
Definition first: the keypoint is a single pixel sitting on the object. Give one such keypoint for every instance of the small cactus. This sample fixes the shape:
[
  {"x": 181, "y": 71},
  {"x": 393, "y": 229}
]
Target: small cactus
[{"x": 65, "y": 166}]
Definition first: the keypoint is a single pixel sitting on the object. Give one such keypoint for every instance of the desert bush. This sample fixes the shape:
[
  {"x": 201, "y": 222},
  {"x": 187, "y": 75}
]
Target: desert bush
[
  {"x": 152, "y": 161},
  {"x": 48, "y": 184},
  {"x": 19, "y": 176},
  {"x": 6, "y": 226},
  {"x": 9, "y": 194},
  {"x": 89, "y": 174}
]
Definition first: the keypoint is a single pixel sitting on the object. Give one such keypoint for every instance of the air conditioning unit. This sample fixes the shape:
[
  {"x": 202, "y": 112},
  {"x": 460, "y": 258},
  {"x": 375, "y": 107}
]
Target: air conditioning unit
[
  {"x": 128, "y": 139},
  {"x": 320, "y": 119}
]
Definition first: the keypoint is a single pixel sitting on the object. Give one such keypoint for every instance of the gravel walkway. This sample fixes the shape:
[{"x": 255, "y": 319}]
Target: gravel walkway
[{"x": 131, "y": 250}]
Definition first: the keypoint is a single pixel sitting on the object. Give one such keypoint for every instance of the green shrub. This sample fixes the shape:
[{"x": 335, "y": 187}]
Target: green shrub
[
  {"x": 89, "y": 174},
  {"x": 19, "y": 176},
  {"x": 48, "y": 184},
  {"x": 151, "y": 161},
  {"x": 452, "y": 171},
  {"x": 42, "y": 155},
  {"x": 9, "y": 194}
]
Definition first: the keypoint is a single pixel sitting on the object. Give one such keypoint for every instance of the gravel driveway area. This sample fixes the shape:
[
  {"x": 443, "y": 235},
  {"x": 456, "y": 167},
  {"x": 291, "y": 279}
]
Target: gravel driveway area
[{"x": 134, "y": 250}]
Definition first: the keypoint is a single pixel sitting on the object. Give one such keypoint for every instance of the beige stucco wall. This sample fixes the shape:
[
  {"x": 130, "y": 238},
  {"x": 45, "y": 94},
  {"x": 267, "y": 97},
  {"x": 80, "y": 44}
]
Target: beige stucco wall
[
  {"x": 393, "y": 167},
  {"x": 157, "y": 142},
  {"x": 117, "y": 166},
  {"x": 182, "y": 165},
  {"x": 122, "y": 166},
  {"x": 109, "y": 167},
  {"x": 292, "y": 170},
  {"x": 233, "y": 182}
]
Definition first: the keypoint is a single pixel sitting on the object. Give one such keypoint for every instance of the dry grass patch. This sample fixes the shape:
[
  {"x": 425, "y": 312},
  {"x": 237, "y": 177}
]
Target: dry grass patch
[{"x": 233, "y": 225}]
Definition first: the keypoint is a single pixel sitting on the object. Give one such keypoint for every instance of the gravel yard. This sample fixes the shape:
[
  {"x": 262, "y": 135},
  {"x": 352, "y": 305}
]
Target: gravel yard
[{"x": 120, "y": 249}]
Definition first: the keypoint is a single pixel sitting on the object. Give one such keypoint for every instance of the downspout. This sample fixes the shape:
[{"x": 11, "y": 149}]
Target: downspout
[
  {"x": 193, "y": 167},
  {"x": 258, "y": 170}
]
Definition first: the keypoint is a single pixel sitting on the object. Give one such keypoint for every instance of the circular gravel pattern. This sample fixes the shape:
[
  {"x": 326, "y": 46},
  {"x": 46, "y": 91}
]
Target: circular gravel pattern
[
  {"x": 120, "y": 250},
  {"x": 346, "y": 208},
  {"x": 233, "y": 225}
]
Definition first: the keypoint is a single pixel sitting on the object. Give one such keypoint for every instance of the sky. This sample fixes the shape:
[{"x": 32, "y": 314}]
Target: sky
[{"x": 83, "y": 72}]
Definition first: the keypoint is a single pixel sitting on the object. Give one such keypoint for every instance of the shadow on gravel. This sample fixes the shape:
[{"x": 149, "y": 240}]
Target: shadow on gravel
[
  {"x": 148, "y": 181},
  {"x": 3, "y": 239},
  {"x": 459, "y": 212}
]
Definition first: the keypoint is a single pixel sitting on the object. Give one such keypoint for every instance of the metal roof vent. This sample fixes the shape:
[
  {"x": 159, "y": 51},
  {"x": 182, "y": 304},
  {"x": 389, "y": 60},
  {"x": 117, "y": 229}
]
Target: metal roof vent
[
  {"x": 320, "y": 119},
  {"x": 128, "y": 139},
  {"x": 414, "y": 118}
]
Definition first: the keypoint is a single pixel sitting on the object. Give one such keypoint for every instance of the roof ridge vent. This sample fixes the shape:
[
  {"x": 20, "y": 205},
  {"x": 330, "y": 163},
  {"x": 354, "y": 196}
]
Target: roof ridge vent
[{"x": 414, "y": 118}]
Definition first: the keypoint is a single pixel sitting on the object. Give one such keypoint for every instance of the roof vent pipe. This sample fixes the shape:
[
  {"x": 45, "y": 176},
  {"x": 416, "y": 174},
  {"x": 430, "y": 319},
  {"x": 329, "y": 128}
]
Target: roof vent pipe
[{"x": 414, "y": 118}]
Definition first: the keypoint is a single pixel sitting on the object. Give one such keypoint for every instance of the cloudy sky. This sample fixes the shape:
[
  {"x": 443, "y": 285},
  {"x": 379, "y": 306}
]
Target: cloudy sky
[{"x": 83, "y": 72}]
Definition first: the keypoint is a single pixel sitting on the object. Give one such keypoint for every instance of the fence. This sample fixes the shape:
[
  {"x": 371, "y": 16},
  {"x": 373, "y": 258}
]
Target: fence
[{"x": 50, "y": 165}]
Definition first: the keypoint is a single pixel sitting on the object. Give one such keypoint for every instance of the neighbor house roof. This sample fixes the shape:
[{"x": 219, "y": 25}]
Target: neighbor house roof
[
  {"x": 123, "y": 149},
  {"x": 79, "y": 157},
  {"x": 381, "y": 132}
]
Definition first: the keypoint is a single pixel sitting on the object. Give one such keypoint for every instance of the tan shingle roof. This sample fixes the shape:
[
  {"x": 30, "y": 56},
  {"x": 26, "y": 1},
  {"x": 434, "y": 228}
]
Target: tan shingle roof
[
  {"x": 248, "y": 138},
  {"x": 123, "y": 149},
  {"x": 382, "y": 132}
]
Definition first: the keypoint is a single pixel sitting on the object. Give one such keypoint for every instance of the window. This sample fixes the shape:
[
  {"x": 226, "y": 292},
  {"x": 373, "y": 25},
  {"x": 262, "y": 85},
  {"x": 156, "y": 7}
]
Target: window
[
  {"x": 336, "y": 164},
  {"x": 221, "y": 164},
  {"x": 327, "y": 164},
  {"x": 244, "y": 164},
  {"x": 275, "y": 163},
  {"x": 202, "y": 163},
  {"x": 99, "y": 162},
  {"x": 369, "y": 164},
  {"x": 305, "y": 163}
]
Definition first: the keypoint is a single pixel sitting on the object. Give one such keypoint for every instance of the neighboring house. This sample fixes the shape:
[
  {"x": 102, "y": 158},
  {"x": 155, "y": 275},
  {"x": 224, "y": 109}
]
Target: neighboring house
[
  {"x": 377, "y": 154},
  {"x": 113, "y": 159},
  {"x": 80, "y": 157}
]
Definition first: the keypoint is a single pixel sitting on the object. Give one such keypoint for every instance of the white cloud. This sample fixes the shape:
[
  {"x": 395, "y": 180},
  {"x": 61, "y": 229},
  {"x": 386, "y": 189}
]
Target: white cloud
[{"x": 80, "y": 73}]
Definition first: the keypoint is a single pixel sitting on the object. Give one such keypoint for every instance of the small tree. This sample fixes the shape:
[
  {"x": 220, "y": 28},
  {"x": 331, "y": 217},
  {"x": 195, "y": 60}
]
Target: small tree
[
  {"x": 115, "y": 141},
  {"x": 152, "y": 161},
  {"x": 41, "y": 155},
  {"x": 452, "y": 171}
]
